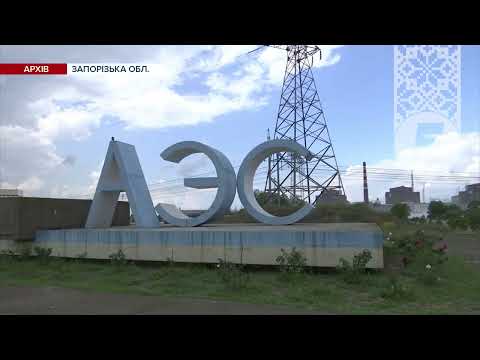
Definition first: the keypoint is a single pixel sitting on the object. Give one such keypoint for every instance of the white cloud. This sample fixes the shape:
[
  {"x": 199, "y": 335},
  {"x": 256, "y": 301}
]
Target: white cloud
[
  {"x": 71, "y": 123},
  {"x": 262, "y": 72},
  {"x": 26, "y": 154},
  {"x": 94, "y": 177},
  {"x": 36, "y": 112},
  {"x": 31, "y": 185},
  {"x": 220, "y": 56},
  {"x": 448, "y": 152},
  {"x": 195, "y": 164},
  {"x": 75, "y": 192},
  {"x": 141, "y": 100},
  {"x": 197, "y": 199},
  {"x": 273, "y": 60}
]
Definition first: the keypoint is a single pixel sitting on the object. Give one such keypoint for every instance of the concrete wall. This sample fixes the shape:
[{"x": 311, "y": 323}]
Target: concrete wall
[
  {"x": 20, "y": 217},
  {"x": 464, "y": 198},
  {"x": 9, "y": 217},
  {"x": 401, "y": 194},
  {"x": 10, "y": 192},
  {"x": 322, "y": 244}
]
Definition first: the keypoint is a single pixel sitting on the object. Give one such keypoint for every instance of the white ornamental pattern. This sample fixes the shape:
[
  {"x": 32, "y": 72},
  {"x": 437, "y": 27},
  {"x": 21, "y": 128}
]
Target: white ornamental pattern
[{"x": 427, "y": 89}]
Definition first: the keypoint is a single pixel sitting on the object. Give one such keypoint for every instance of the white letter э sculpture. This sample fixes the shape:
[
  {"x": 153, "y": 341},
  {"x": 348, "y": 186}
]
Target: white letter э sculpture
[
  {"x": 225, "y": 182},
  {"x": 121, "y": 172},
  {"x": 246, "y": 175}
]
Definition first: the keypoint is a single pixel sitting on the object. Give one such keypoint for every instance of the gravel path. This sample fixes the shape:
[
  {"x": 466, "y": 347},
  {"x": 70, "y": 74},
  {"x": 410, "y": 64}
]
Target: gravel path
[{"x": 58, "y": 301}]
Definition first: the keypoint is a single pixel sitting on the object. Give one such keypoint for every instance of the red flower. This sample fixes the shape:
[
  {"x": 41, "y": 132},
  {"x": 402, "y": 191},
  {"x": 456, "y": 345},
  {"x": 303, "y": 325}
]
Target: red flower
[{"x": 442, "y": 248}]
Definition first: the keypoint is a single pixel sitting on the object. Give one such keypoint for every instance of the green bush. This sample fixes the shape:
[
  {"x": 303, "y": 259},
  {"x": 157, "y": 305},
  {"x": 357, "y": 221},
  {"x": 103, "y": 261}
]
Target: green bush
[
  {"x": 158, "y": 275},
  {"x": 323, "y": 213},
  {"x": 396, "y": 291},
  {"x": 276, "y": 200},
  {"x": 352, "y": 273},
  {"x": 452, "y": 211},
  {"x": 419, "y": 220},
  {"x": 436, "y": 210},
  {"x": 8, "y": 253},
  {"x": 420, "y": 246},
  {"x": 458, "y": 222},
  {"x": 291, "y": 262},
  {"x": 118, "y": 258},
  {"x": 232, "y": 275},
  {"x": 332, "y": 213},
  {"x": 454, "y": 216},
  {"x": 429, "y": 275},
  {"x": 43, "y": 254},
  {"x": 82, "y": 256},
  {"x": 401, "y": 211},
  {"x": 473, "y": 216},
  {"x": 24, "y": 251},
  {"x": 7, "y": 257},
  {"x": 423, "y": 255}
]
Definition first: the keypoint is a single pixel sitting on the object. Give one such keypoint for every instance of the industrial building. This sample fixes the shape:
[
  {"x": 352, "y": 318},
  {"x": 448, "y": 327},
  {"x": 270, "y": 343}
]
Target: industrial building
[
  {"x": 21, "y": 216},
  {"x": 463, "y": 198},
  {"x": 402, "y": 194}
]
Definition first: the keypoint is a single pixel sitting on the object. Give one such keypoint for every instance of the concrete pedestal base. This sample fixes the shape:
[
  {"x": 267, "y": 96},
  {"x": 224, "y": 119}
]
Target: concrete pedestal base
[{"x": 322, "y": 244}]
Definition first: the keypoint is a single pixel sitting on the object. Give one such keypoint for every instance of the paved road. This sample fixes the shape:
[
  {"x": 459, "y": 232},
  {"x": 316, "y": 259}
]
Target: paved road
[{"x": 58, "y": 301}]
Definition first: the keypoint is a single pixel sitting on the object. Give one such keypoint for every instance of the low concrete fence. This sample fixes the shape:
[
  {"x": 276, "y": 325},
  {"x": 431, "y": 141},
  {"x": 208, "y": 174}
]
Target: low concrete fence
[
  {"x": 322, "y": 244},
  {"x": 20, "y": 217}
]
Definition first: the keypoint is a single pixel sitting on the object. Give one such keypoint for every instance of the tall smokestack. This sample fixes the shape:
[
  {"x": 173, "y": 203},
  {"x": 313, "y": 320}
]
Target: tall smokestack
[
  {"x": 269, "y": 167},
  {"x": 365, "y": 183}
]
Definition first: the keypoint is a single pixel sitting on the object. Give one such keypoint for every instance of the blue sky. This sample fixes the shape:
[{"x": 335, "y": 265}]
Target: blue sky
[{"x": 356, "y": 91}]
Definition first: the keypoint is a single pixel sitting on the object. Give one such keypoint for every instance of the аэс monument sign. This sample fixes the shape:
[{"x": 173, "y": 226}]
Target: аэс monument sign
[
  {"x": 322, "y": 244},
  {"x": 122, "y": 172}
]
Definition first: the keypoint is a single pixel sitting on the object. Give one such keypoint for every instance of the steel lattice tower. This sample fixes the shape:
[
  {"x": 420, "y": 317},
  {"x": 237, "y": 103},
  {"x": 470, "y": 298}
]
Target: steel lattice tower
[{"x": 301, "y": 118}]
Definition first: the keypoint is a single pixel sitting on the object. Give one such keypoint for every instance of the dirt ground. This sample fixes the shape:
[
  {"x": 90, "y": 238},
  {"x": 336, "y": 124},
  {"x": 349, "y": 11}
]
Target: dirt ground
[{"x": 60, "y": 301}]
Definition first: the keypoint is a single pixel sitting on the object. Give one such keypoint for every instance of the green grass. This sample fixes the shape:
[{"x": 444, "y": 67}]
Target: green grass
[{"x": 457, "y": 292}]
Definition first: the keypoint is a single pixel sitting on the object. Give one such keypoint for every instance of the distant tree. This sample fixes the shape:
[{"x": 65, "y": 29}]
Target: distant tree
[
  {"x": 401, "y": 211},
  {"x": 452, "y": 211},
  {"x": 458, "y": 222},
  {"x": 436, "y": 210},
  {"x": 265, "y": 199},
  {"x": 473, "y": 218},
  {"x": 474, "y": 204}
]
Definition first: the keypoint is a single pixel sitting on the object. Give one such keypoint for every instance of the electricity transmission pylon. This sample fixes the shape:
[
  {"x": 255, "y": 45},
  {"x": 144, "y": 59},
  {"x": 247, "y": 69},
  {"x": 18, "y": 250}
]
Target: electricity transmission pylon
[{"x": 301, "y": 118}]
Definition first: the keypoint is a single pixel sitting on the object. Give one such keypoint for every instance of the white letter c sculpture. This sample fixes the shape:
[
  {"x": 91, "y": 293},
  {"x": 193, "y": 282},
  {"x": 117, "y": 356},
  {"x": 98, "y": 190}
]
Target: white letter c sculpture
[
  {"x": 246, "y": 174},
  {"x": 225, "y": 182}
]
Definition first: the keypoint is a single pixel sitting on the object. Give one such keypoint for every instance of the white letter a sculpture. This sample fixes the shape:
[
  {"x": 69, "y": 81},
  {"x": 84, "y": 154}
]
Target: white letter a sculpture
[{"x": 121, "y": 172}]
